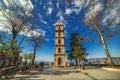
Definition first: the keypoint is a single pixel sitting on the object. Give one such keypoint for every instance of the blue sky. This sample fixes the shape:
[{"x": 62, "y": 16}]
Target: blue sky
[{"x": 72, "y": 13}]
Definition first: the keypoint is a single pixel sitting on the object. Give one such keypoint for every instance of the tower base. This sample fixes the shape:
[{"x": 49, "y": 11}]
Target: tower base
[{"x": 59, "y": 61}]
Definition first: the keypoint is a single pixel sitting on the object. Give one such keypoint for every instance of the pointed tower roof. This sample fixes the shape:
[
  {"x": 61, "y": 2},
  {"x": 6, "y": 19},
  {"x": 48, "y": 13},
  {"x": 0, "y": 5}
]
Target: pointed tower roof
[{"x": 59, "y": 22}]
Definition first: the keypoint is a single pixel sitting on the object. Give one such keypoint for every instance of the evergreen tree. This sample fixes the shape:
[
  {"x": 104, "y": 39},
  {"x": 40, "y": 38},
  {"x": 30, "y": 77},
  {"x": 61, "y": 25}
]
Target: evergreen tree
[{"x": 76, "y": 50}]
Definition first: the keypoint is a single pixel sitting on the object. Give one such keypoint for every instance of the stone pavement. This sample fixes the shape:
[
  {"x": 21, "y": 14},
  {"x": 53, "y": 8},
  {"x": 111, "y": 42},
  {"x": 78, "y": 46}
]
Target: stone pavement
[{"x": 69, "y": 74}]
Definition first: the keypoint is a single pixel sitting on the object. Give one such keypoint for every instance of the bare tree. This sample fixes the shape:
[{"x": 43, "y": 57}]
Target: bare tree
[
  {"x": 16, "y": 18},
  {"x": 36, "y": 42},
  {"x": 103, "y": 20}
]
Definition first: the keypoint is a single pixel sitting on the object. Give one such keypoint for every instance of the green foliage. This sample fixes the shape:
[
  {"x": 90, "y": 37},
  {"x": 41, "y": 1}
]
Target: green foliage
[
  {"x": 27, "y": 56},
  {"x": 79, "y": 52},
  {"x": 3, "y": 47},
  {"x": 13, "y": 49},
  {"x": 76, "y": 50},
  {"x": 9, "y": 50}
]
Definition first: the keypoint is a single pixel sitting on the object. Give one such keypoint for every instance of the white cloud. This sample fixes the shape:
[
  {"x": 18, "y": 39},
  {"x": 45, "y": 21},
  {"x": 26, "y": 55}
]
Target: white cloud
[
  {"x": 36, "y": 32},
  {"x": 43, "y": 21},
  {"x": 61, "y": 18},
  {"x": 4, "y": 23},
  {"x": 68, "y": 11},
  {"x": 98, "y": 7},
  {"x": 50, "y": 10},
  {"x": 47, "y": 39},
  {"x": 4, "y": 29},
  {"x": 26, "y": 30},
  {"x": 77, "y": 10},
  {"x": 86, "y": 3},
  {"x": 50, "y": 3},
  {"x": 39, "y": 15},
  {"x": 6, "y": 2},
  {"x": 60, "y": 15},
  {"x": 41, "y": 32},
  {"x": 93, "y": 10},
  {"x": 57, "y": 4},
  {"x": 113, "y": 16},
  {"x": 27, "y": 4},
  {"x": 79, "y": 4}
]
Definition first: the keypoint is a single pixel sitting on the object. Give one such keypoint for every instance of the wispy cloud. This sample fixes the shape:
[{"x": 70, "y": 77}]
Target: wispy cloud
[
  {"x": 50, "y": 10},
  {"x": 47, "y": 39},
  {"x": 68, "y": 11},
  {"x": 27, "y": 4},
  {"x": 5, "y": 25},
  {"x": 43, "y": 21},
  {"x": 95, "y": 8},
  {"x": 36, "y": 32},
  {"x": 57, "y": 4},
  {"x": 113, "y": 14},
  {"x": 81, "y": 3},
  {"x": 60, "y": 15},
  {"x": 78, "y": 5}
]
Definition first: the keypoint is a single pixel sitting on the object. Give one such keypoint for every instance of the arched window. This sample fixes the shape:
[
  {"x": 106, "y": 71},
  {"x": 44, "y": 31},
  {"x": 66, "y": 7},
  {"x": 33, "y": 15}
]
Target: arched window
[
  {"x": 58, "y": 28},
  {"x": 59, "y": 50},
  {"x": 59, "y": 33},
  {"x": 59, "y": 41}
]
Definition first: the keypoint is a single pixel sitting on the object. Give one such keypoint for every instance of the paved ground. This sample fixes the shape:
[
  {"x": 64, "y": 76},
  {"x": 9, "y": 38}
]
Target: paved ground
[{"x": 69, "y": 74}]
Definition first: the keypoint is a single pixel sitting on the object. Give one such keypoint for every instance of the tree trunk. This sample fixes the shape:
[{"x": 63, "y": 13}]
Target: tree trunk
[
  {"x": 21, "y": 42},
  {"x": 13, "y": 53},
  {"x": 76, "y": 62},
  {"x": 14, "y": 36},
  {"x": 34, "y": 54},
  {"x": 110, "y": 62},
  {"x": 102, "y": 40},
  {"x": 12, "y": 43}
]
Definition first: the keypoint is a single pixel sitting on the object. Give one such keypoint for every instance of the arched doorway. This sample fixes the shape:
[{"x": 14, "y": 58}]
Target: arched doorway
[{"x": 59, "y": 61}]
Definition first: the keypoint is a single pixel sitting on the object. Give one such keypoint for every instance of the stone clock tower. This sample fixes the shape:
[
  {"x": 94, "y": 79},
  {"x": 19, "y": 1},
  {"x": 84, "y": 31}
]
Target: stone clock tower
[{"x": 59, "y": 56}]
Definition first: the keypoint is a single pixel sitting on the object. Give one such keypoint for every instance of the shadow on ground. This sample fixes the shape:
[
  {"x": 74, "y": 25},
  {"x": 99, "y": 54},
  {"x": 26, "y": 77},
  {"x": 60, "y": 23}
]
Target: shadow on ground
[
  {"x": 58, "y": 72},
  {"x": 53, "y": 71},
  {"x": 62, "y": 72}
]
